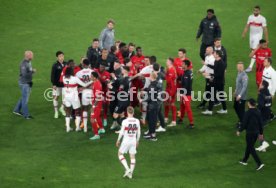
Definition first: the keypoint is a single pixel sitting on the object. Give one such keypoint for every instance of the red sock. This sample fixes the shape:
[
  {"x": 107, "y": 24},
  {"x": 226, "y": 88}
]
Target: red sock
[
  {"x": 173, "y": 112},
  {"x": 95, "y": 127},
  {"x": 182, "y": 109},
  {"x": 167, "y": 109}
]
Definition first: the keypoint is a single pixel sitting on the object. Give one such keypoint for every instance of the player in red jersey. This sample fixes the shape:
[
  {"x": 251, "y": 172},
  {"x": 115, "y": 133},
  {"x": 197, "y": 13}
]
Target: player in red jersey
[
  {"x": 261, "y": 52},
  {"x": 171, "y": 76},
  {"x": 97, "y": 99},
  {"x": 178, "y": 64},
  {"x": 104, "y": 77},
  {"x": 138, "y": 61},
  {"x": 122, "y": 53},
  {"x": 71, "y": 63}
]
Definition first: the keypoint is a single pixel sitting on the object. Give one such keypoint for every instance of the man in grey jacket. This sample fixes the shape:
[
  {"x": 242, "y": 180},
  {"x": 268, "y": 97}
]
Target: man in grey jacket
[
  {"x": 25, "y": 84},
  {"x": 107, "y": 36},
  {"x": 240, "y": 92}
]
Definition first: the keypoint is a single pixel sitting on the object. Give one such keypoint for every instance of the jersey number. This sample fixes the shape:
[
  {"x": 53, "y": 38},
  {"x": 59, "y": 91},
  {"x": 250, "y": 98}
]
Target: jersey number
[
  {"x": 85, "y": 78},
  {"x": 132, "y": 128}
]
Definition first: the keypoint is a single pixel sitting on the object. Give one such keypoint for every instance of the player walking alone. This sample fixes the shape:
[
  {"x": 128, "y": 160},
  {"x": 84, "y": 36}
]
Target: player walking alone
[{"x": 130, "y": 131}]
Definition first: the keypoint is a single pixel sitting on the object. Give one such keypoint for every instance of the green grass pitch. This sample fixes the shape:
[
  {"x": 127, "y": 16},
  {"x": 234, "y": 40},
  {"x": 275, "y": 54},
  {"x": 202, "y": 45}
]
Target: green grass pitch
[{"x": 39, "y": 153}]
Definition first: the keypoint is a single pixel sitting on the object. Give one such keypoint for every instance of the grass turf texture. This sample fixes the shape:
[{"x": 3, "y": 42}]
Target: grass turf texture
[{"x": 38, "y": 153}]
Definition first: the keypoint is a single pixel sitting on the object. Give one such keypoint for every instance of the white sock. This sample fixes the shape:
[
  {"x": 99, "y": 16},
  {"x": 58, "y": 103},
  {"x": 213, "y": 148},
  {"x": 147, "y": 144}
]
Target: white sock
[
  {"x": 132, "y": 164},
  {"x": 77, "y": 121},
  {"x": 123, "y": 161},
  {"x": 67, "y": 121},
  {"x": 252, "y": 62},
  {"x": 84, "y": 118},
  {"x": 144, "y": 110},
  {"x": 55, "y": 103},
  {"x": 62, "y": 107}
]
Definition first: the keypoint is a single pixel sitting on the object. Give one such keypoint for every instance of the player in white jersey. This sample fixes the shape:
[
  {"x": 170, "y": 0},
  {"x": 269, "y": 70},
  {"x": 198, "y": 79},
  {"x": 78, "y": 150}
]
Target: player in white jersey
[
  {"x": 71, "y": 97},
  {"x": 85, "y": 75},
  {"x": 130, "y": 131},
  {"x": 257, "y": 25},
  {"x": 269, "y": 75}
]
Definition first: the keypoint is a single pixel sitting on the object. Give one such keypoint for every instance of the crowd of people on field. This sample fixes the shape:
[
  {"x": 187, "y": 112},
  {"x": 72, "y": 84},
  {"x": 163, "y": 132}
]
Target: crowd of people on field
[{"x": 90, "y": 90}]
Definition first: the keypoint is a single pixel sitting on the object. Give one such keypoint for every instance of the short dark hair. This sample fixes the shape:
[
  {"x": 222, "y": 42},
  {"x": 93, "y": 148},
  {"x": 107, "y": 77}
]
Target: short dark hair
[
  {"x": 126, "y": 60},
  {"x": 113, "y": 49},
  {"x": 122, "y": 44},
  {"x": 110, "y": 21},
  {"x": 262, "y": 41},
  {"x": 126, "y": 68},
  {"x": 269, "y": 60},
  {"x": 58, "y": 53},
  {"x": 131, "y": 44},
  {"x": 86, "y": 62},
  {"x": 217, "y": 39},
  {"x": 153, "y": 59},
  {"x": 171, "y": 59},
  {"x": 138, "y": 48},
  {"x": 219, "y": 53},
  {"x": 252, "y": 102},
  {"x": 147, "y": 57},
  {"x": 156, "y": 67},
  {"x": 187, "y": 62},
  {"x": 95, "y": 74},
  {"x": 257, "y": 7},
  {"x": 211, "y": 11},
  {"x": 71, "y": 62},
  {"x": 183, "y": 50},
  {"x": 265, "y": 84},
  {"x": 69, "y": 72},
  {"x": 95, "y": 40}
]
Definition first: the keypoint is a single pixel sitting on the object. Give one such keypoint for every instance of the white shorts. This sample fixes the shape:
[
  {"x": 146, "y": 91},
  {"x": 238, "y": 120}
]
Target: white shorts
[
  {"x": 128, "y": 148},
  {"x": 86, "y": 97},
  {"x": 57, "y": 91},
  {"x": 254, "y": 41},
  {"x": 71, "y": 100}
]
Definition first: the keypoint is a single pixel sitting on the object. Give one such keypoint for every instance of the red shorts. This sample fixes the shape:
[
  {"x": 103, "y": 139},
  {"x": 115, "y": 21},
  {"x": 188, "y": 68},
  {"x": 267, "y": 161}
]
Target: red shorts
[
  {"x": 259, "y": 76},
  {"x": 97, "y": 111}
]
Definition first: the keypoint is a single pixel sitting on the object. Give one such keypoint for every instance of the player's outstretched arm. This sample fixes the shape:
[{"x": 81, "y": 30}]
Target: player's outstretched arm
[
  {"x": 120, "y": 135},
  {"x": 81, "y": 83}
]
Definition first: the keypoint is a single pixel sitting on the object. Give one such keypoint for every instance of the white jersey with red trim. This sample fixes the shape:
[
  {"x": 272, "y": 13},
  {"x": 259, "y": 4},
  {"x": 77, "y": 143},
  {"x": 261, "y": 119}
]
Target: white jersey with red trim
[
  {"x": 84, "y": 74},
  {"x": 130, "y": 131},
  {"x": 71, "y": 85},
  {"x": 146, "y": 71},
  {"x": 256, "y": 24}
]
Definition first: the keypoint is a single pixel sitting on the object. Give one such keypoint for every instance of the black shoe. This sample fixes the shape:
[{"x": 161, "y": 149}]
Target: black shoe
[
  {"x": 147, "y": 136},
  {"x": 152, "y": 138},
  {"x": 273, "y": 118},
  {"x": 180, "y": 121},
  {"x": 29, "y": 117},
  {"x": 191, "y": 126},
  {"x": 260, "y": 167},
  {"x": 243, "y": 163},
  {"x": 201, "y": 106},
  {"x": 238, "y": 125},
  {"x": 17, "y": 113}
]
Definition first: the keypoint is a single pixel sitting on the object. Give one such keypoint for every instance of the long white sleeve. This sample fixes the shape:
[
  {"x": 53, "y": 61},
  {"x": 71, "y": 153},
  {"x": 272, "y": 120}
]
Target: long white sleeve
[
  {"x": 121, "y": 132},
  {"x": 273, "y": 82}
]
